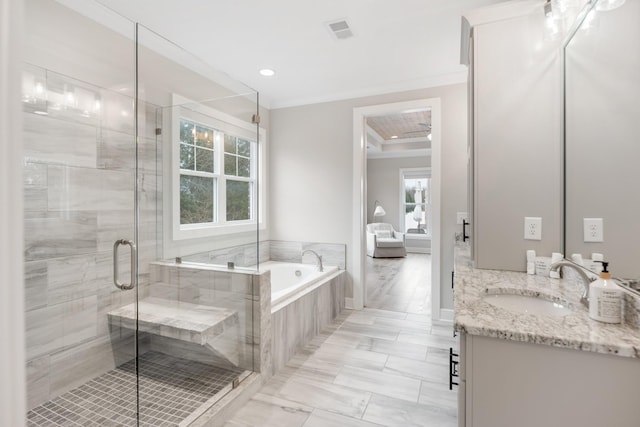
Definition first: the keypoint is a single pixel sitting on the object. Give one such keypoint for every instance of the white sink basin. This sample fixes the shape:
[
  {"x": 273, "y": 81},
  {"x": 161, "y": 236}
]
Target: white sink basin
[{"x": 528, "y": 304}]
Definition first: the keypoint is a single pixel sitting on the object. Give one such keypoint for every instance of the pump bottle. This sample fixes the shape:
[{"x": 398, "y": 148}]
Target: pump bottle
[{"x": 605, "y": 298}]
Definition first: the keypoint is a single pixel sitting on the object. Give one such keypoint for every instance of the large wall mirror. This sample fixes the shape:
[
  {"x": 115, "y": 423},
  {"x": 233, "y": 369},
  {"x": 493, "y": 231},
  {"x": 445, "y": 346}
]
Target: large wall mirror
[{"x": 602, "y": 139}]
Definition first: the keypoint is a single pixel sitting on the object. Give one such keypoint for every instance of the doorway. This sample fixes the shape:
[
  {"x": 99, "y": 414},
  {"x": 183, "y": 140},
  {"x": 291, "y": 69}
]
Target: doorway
[{"x": 362, "y": 201}]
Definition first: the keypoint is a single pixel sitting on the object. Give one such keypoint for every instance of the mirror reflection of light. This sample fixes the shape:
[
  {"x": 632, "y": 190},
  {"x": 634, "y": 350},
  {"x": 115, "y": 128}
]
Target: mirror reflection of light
[
  {"x": 605, "y": 5},
  {"x": 589, "y": 20}
]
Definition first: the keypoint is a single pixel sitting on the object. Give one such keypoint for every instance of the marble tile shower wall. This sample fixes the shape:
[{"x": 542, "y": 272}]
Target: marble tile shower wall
[
  {"x": 241, "y": 256},
  {"x": 79, "y": 182},
  {"x": 274, "y": 250},
  {"x": 288, "y": 251}
]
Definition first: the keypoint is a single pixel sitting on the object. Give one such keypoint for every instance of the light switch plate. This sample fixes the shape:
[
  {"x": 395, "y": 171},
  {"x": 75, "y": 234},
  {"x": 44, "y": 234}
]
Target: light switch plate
[
  {"x": 593, "y": 230},
  {"x": 532, "y": 228},
  {"x": 462, "y": 216}
]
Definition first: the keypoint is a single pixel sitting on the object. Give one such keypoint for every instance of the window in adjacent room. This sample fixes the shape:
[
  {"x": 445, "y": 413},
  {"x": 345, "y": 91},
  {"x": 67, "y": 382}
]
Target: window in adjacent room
[{"x": 416, "y": 202}]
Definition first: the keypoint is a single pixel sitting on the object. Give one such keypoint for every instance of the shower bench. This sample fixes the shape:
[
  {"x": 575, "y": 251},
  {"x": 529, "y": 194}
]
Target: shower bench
[{"x": 212, "y": 327}]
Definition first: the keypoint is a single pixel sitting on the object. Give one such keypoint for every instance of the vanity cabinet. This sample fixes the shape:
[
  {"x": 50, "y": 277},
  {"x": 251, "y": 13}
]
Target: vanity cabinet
[
  {"x": 507, "y": 383},
  {"x": 515, "y": 89}
]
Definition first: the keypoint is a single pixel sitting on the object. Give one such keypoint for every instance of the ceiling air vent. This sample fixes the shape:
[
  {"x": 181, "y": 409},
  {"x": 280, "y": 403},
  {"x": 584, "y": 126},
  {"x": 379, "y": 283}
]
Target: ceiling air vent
[{"x": 340, "y": 29}]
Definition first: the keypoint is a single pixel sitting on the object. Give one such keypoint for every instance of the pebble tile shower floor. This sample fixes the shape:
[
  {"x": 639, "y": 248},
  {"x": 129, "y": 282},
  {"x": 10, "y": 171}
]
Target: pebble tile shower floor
[{"x": 170, "y": 390}]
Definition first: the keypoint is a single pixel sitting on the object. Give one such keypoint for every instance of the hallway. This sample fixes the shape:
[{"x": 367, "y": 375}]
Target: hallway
[{"x": 386, "y": 365}]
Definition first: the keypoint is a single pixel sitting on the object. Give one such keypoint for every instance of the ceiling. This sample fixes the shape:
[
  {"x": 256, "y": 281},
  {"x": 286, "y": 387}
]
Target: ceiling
[
  {"x": 396, "y": 45},
  {"x": 399, "y": 135}
]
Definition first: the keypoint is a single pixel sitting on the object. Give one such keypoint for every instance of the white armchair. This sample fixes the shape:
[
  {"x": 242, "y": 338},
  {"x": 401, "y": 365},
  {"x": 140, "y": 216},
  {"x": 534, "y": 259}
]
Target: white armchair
[{"x": 384, "y": 242}]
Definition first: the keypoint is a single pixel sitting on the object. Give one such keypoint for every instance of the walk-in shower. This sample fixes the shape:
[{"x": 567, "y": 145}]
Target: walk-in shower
[{"x": 135, "y": 152}]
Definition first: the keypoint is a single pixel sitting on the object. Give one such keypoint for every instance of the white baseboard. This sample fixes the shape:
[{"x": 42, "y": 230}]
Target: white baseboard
[
  {"x": 418, "y": 250},
  {"x": 348, "y": 303},
  {"x": 446, "y": 317}
]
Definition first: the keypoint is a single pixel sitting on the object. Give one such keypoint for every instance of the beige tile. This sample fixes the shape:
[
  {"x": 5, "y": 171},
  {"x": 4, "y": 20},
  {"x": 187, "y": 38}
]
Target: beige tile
[
  {"x": 397, "y": 386},
  {"x": 318, "y": 394},
  {"x": 438, "y": 355},
  {"x": 398, "y": 413},
  {"x": 434, "y": 394},
  {"x": 405, "y": 326},
  {"x": 267, "y": 411},
  {"x": 341, "y": 355},
  {"x": 417, "y": 369},
  {"x": 320, "y": 418},
  {"x": 373, "y": 331},
  {"x": 429, "y": 340},
  {"x": 410, "y": 351}
]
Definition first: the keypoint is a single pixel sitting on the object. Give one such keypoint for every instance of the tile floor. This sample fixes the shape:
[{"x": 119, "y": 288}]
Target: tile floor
[
  {"x": 170, "y": 390},
  {"x": 386, "y": 365}
]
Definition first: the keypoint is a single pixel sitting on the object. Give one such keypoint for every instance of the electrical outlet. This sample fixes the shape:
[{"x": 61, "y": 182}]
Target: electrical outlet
[
  {"x": 593, "y": 230},
  {"x": 462, "y": 216},
  {"x": 532, "y": 228}
]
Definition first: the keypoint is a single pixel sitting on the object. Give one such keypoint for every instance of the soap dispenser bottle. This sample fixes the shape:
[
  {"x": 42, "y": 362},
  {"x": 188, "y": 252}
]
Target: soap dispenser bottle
[{"x": 605, "y": 298}]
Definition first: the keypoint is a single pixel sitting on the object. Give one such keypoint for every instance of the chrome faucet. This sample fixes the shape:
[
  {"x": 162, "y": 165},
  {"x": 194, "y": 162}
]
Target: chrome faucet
[
  {"x": 586, "y": 280},
  {"x": 320, "y": 267}
]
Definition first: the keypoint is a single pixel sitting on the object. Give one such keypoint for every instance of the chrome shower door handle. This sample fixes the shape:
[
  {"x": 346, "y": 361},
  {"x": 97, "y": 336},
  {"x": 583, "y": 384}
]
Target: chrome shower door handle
[{"x": 116, "y": 281}]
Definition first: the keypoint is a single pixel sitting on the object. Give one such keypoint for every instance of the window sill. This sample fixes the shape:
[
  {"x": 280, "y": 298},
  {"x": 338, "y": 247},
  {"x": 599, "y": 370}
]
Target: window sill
[{"x": 194, "y": 232}]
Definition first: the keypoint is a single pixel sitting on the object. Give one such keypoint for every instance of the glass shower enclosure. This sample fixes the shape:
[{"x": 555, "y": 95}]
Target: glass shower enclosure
[{"x": 138, "y": 158}]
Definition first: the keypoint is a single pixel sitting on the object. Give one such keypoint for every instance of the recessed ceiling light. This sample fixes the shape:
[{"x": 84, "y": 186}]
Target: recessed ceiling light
[
  {"x": 394, "y": 136},
  {"x": 267, "y": 72}
]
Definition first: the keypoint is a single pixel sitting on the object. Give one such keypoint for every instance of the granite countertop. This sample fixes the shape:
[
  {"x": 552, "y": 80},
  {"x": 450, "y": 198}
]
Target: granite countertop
[{"x": 475, "y": 316}]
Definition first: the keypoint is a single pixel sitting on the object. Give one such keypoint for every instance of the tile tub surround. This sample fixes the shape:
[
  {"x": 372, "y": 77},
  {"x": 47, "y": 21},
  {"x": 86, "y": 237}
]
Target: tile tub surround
[
  {"x": 287, "y": 251},
  {"x": 475, "y": 316},
  {"x": 300, "y": 319},
  {"x": 273, "y": 250},
  {"x": 246, "y": 292}
]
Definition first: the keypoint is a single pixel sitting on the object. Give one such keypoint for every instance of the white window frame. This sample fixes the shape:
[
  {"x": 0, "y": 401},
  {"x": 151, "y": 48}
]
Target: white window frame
[
  {"x": 415, "y": 173},
  {"x": 221, "y": 122}
]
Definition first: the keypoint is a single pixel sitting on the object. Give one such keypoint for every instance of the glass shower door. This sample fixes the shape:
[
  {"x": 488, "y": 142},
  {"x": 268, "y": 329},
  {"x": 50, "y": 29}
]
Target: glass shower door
[
  {"x": 120, "y": 331},
  {"x": 197, "y": 215},
  {"x": 80, "y": 191}
]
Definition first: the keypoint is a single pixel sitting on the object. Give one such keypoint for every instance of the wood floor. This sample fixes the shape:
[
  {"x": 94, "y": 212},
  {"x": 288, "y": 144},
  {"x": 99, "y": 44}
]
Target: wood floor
[{"x": 386, "y": 365}]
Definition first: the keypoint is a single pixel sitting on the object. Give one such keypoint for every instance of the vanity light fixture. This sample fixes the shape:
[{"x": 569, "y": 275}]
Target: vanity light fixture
[
  {"x": 548, "y": 9},
  {"x": 267, "y": 72}
]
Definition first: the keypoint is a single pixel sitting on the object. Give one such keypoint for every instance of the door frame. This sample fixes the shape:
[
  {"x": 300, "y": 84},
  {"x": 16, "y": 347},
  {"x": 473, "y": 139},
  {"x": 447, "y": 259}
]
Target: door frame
[{"x": 359, "y": 206}]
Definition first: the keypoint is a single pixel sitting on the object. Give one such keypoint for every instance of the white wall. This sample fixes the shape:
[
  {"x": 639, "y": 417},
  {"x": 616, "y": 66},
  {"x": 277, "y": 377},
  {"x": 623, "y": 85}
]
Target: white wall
[
  {"x": 603, "y": 89},
  {"x": 383, "y": 184},
  {"x": 311, "y": 162},
  {"x": 517, "y": 140},
  {"x": 12, "y": 355}
]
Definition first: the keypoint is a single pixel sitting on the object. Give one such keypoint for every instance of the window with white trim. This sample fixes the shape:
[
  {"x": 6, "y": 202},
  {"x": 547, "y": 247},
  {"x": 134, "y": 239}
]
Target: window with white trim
[
  {"x": 198, "y": 174},
  {"x": 416, "y": 202},
  {"x": 215, "y": 180}
]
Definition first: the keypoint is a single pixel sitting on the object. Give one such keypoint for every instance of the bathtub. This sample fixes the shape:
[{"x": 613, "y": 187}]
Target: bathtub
[
  {"x": 289, "y": 280},
  {"x": 303, "y": 303}
]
